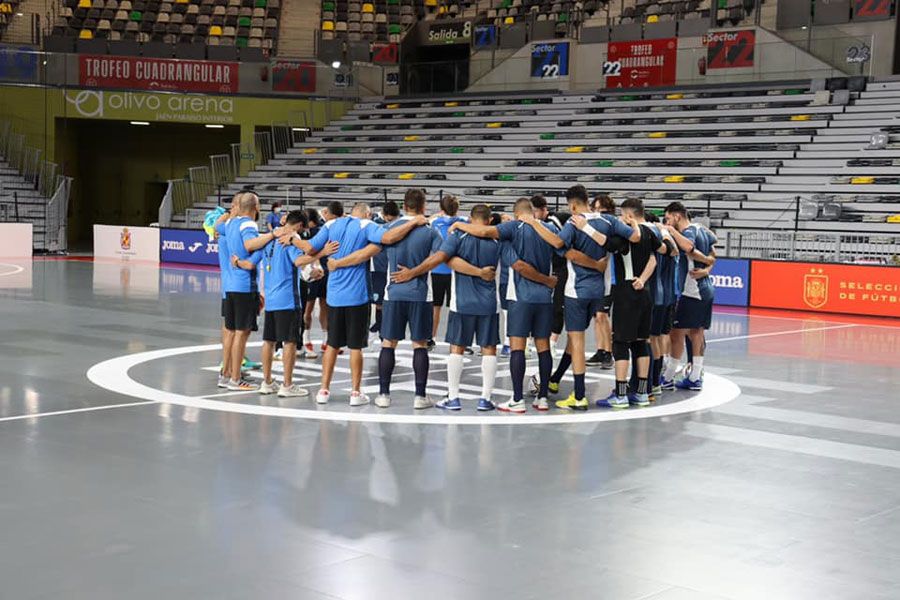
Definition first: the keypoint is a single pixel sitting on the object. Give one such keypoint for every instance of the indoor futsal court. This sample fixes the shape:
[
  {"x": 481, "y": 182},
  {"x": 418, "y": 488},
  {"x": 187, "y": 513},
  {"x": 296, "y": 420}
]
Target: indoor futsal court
[{"x": 128, "y": 474}]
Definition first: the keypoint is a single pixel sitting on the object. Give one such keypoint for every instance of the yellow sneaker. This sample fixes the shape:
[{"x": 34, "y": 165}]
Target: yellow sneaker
[
  {"x": 553, "y": 387},
  {"x": 571, "y": 403}
]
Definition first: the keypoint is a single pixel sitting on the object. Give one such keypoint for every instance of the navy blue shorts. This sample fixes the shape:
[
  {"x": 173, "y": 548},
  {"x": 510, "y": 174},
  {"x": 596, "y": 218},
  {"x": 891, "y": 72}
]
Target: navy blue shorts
[
  {"x": 661, "y": 319},
  {"x": 580, "y": 312},
  {"x": 504, "y": 303},
  {"x": 527, "y": 319},
  {"x": 397, "y": 314},
  {"x": 462, "y": 329},
  {"x": 691, "y": 313},
  {"x": 379, "y": 282}
]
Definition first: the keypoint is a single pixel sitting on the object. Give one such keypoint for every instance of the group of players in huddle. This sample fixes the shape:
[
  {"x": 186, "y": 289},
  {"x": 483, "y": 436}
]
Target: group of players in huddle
[{"x": 651, "y": 278}]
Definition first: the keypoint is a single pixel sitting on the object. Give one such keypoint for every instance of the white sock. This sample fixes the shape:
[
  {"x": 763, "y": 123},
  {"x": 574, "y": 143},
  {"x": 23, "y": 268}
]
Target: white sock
[
  {"x": 503, "y": 328},
  {"x": 307, "y": 338},
  {"x": 454, "y": 374},
  {"x": 488, "y": 373},
  {"x": 671, "y": 367},
  {"x": 697, "y": 368}
]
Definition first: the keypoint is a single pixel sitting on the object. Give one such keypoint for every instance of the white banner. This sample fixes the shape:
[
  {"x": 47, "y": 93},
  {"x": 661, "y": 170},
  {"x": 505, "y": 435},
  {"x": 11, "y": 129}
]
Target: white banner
[
  {"x": 15, "y": 240},
  {"x": 126, "y": 243}
]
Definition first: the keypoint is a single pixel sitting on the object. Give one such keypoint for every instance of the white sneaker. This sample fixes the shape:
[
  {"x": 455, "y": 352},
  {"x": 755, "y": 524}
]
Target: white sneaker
[
  {"x": 268, "y": 387},
  {"x": 382, "y": 401},
  {"x": 322, "y": 397},
  {"x": 358, "y": 399},
  {"x": 308, "y": 352},
  {"x": 295, "y": 391},
  {"x": 279, "y": 354},
  {"x": 540, "y": 404},
  {"x": 535, "y": 386},
  {"x": 223, "y": 381},
  {"x": 513, "y": 406},
  {"x": 242, "y": 386},
  {"x": 423, "y": 402}
]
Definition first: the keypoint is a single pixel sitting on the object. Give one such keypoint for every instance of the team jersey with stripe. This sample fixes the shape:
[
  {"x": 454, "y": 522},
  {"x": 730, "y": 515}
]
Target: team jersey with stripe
[
  {"x": 583, "y": 282},
  {"x": 224, "y": 256},
  {"x": 472, "y": 295},
  {"x": 662, "y": 284},
  {"x": 380, "y": 260},
  {"x": 238, "y": 231},
  {"x": 527, "y": 246},
  {"x": 703, "y": 240},
  {"x": 409, "y": 252},
  {"x": 348, "y": 286}
]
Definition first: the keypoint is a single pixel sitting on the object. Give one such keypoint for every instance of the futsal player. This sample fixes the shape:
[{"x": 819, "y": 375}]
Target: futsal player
[
  {"x": 440, "y": 276},
  {"x": 408, "y": 304},
  {"x": 603, "y": 203},
  {"x": 389, "y": 213},
  {"x": 693, "y": 312},
  {"x": 315, "y": 289},
  {"x": 663, "y": 291},
  {"x": 348, "y": 290},
  {"x": 473, "y": 305}
]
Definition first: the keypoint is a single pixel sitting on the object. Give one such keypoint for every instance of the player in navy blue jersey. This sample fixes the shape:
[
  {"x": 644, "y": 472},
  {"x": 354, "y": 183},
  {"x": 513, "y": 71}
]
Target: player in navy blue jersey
[
  {"x": 693, "y": 312},
  {"x": 348, "y": 289},
  {"x": 389, "y": 213},
  {"x": 662, "y": 287},
  {"x": 408, "y": 304},
  {"x": 473, "y": 304},
  {"x": 529, "y": 293},
  {"x": 440, "y": 276},
  {"x": 603, "y": 203}
]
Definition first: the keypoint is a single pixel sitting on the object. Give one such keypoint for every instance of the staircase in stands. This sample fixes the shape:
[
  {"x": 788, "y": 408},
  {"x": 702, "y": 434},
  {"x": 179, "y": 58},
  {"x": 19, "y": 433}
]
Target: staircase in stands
[{"x": 297, "y": 28}]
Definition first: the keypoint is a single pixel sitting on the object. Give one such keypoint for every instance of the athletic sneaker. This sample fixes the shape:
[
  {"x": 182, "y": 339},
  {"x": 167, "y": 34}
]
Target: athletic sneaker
[
  {"x": 279, "y": 354},
  {"x": 223, "y": 381},
  {"x": 308, "y": 352},
  {"x": 485, "y": 405},
  {"x": 295, "y": 391},
  {"x": 666, "y": 384},
  {"x": 468, "y": 351},
  {"x": 534, "y": 387},
  {"x": 513, "y": 406},
  {"x": 323, "y": 396},
  {"x": 431, "y": 344},
  {"x": 553, "y": 387},
  {"x": 656, "y": 391},
  {"x": 639, "y": 400},
  {"x": 607, "y": 362},
  {"x": 250, "y": 364},
  {"x": 358, "y": 399},
  {"x": 595, "y": 360},
  {"x": 268, "y": 387},
  {"x": 571, "y": 403},
  {"x": 382, "y": 401},
  {"x": 241, "y": 386},
  {"x": 540, "y": 404},
  {"x": 422, "y": 402},
  {"x": 504, "y": 351},
  {"x": 449, "y": 404},
  {"x": 613, "y": 401},
  {"x": 688, "y": 384}
]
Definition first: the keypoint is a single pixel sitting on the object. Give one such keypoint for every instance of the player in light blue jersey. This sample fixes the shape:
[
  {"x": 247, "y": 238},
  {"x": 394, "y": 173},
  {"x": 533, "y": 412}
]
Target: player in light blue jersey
[{"x": 224, "y": 262}]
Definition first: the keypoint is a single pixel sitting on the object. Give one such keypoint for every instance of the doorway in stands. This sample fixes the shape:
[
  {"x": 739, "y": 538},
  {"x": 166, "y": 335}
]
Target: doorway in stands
[{"x": 440, "y": 69}]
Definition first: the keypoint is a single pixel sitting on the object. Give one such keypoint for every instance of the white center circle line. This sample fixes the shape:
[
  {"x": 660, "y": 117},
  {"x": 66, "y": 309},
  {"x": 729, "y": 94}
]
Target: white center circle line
[
  {"x": 16, "y": 269},
  {"x": 113, "y": 375}
]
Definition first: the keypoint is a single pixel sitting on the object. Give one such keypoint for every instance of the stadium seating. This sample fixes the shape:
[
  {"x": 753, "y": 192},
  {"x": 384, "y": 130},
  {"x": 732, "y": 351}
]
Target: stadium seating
[
  {"x": 8, "y": 9},
  {"x": 245, "y": 29}
]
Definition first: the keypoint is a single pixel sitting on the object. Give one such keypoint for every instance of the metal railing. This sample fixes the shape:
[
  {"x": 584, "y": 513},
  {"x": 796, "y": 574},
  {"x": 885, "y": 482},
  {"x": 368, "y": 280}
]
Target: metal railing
[{"x": 856, "y": 248}]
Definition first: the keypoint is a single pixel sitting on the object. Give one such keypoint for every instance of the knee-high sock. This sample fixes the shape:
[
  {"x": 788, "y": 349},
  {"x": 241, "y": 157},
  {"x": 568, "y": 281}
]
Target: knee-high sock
[
  {"x": 579, "y": 386},
  {"x": 564, "y": 363},
  {"x": 545, "y": 365},
  {"x": 454, "y": 373},
  {"x": 385, "y": 370},
  {"x": 488, "y": 374},
  {"x": 420, "y": 368},
  {"x": 517, "y": 372},
  {"x": 656, "y": 372},
  {"x": 633, "y": 380}
]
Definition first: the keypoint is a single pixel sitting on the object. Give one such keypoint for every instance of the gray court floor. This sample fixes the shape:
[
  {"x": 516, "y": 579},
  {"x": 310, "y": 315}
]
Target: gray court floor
[{"x": 791, "y": 490}]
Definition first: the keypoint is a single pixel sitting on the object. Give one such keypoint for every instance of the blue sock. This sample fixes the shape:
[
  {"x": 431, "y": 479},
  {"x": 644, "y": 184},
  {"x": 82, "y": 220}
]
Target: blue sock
[
  {"x": 517, "y": 371},
  {"x": 564, "y": 363},
  {"x": 385, "y": 370},
  {"x": 579, "y": 386},
  {"x": 545, "y": 364},
  {"x": 420, "y": 368}
]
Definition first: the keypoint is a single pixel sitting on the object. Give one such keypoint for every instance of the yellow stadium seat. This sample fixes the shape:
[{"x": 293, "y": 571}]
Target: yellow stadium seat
[
  {"x": 674, "y": 179},
  {"x": 327, "y": 25},
  {"x": 653, "y": 19},
  {"x": 5, "y": 8},
  {"x": 84, "y": 3},
  {"x": 342, "y": 175},
  {"x": 509, "y": 20},
  {"x": 893, "y": 219},
  {"x": 393, "y": 106},
  {"x": 430, "y": 2},
  {"x": 800, "y": 117},
  {"x": 310, "y": 150},
  {"x": 494, "y": 125},
  {"x": 864, "y": 180},
  {"x": 451, "y": 104},
  {"x": 657, "y": 134},
  {"x": 442, "y": 10},
  {"x": 575, "y": 149},
  {"x": 368, "y": 8},
  {"x": 215, "y": 30},
  {"x": 410, "y": 138},
  {"x": 182, "y": 2},
  {"x": 407, "y": 176},
  {"x": 674, "y": 96},
  {"x": 85, "y": 34}
]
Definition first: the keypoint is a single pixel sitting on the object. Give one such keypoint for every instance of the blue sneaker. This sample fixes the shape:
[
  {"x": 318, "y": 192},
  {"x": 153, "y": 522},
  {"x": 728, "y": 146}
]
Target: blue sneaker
[
  {"x": 484, "y": 405},
  {"x": 504, "y": 351},
  {"x": 613, "y": 401},
  {"x": 688, "y": 384},
  {"x": 639, "y": 399},
  {"x": 250, "y": 364},
  {"x": 448, "y": 404},
  {"x": 666, "y": 384}
]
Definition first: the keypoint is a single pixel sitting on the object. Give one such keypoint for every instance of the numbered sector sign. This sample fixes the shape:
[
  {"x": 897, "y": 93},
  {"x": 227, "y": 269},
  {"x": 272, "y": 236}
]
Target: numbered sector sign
[{"x": 549, "y": 61}]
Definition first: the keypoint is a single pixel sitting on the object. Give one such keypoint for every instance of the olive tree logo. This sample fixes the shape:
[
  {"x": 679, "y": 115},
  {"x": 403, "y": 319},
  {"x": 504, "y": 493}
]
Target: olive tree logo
[{"x": 88, "y": 103}]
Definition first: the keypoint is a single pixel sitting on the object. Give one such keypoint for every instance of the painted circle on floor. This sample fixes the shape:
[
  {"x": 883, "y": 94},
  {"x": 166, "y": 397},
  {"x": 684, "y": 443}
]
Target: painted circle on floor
[
  {"x": 113, "y": 375},
  {"x": 9, "y": 269}
]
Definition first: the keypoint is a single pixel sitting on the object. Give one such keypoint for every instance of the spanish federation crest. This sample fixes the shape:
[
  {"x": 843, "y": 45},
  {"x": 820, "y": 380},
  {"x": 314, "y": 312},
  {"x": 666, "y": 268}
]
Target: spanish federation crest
[{"x": 815, "y": 288}]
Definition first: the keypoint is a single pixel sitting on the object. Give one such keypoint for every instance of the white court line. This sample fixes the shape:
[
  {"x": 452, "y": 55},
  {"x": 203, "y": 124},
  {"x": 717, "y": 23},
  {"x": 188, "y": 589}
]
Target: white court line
[
  {"x": 774, "y": 333},
  {"x": 74, "y": 410},
  {"x": 113, "y": 375},
  {"x": 16, "y": 269}
]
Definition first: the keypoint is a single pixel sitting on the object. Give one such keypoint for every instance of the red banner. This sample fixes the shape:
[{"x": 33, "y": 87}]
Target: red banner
[
  {"x": 851, "y": 289},
  {"x": 158, "y": 74},
  {"x": 290, "y": 76},
  {"x": 385, "y": 54},
  {"x": 730, "y": 49},
  {"x": 643, "y": 63}
]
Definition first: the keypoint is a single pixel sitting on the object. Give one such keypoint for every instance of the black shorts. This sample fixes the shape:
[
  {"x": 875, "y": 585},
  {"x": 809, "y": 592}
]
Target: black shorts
[
  {"x": 283, "y": 326},
  {"x": 241, "y": 310},
  {"x": 559, "y": 313},
  {"x": 607, "y": 304},
  {"x": 223, "y": 308},
  {"x": 631, "y": 313},
  {"x": 661, "y": 321},
  {"x": 440, "y": 289},
  {"x": 316, "y": 289},
  {"x": 348, "y": 326}
]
